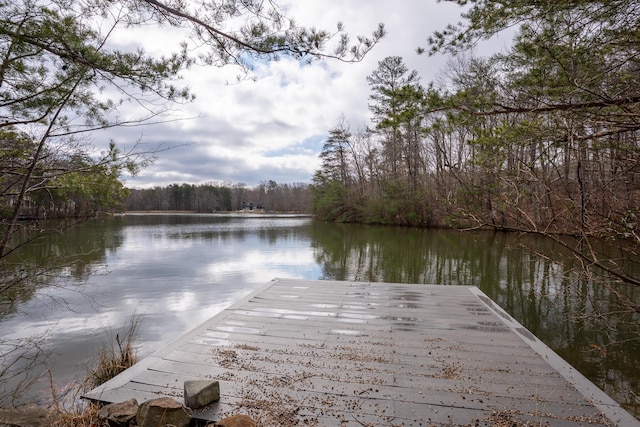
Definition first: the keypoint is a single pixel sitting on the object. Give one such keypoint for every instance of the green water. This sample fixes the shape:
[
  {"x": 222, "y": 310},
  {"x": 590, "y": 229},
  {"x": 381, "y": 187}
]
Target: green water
[{"x": 176, "y": 271}]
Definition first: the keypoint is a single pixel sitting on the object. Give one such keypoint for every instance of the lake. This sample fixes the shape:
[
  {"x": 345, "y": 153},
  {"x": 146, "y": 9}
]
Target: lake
[{"x": 176, "y": 271}]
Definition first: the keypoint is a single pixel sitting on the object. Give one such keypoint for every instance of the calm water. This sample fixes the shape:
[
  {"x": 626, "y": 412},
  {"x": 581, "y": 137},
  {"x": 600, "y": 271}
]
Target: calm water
[{"x": 176, "y": 271}]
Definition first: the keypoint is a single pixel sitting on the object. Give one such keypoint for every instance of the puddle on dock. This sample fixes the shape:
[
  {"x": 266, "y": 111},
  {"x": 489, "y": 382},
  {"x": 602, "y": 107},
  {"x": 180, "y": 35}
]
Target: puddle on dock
[
  {"x": 239, "y": 330},
  {"x": 213, "y": 338},
  {"x": 213, "y": 342},
  {"x": 351, "y": 332},
  {"x": 363, "y": 316},
  {"x": 406, "y": 305},
  {"x": 324, "y": 305},
  {"x": 481, "y": 327},
  {"x": 282, "y": 312},
  {"x": 401, "y": 318},
  {"x": 355, "y": 321},
  {"x": 295, "y": 317},
  {"x": 234, "y": 323},
  {"x": 256, "y": 313},
  {"x": 354, "y": 294},
  {"x": 361, "y": 306}
]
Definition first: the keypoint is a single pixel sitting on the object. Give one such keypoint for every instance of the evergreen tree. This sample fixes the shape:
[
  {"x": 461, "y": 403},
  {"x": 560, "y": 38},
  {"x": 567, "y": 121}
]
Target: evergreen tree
[
  {"x": 335, "y": 155},
  {"x": 390, "y": 84}
]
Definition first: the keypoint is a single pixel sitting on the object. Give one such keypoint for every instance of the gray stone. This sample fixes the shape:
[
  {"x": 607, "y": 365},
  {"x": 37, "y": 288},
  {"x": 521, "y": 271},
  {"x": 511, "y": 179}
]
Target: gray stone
[
  {"x": 199, "y": 393},
  {"x": 121, "y": 414},
  {"x": 237, "y": 421},
  {"x": 33, "y": 417},
  {"x": 163, "y": 411}
]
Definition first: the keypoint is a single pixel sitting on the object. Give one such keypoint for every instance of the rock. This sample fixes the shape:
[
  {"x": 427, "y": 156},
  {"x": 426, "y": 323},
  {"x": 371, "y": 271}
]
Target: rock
[
  {"x": 31, "y": 417},
  {"x": 237, "y": 421},
  {"x": 199, "y": 393},
  {"x": 163, "y": 411},
  {"x": 121, "y": 414}
]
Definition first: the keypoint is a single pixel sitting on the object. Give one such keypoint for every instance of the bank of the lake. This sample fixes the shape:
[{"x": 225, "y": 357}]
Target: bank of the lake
[{"x": 178, "y": 270}]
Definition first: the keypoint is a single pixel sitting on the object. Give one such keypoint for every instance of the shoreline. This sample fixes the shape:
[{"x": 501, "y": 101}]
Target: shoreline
[{"x": 255, "y": 213}]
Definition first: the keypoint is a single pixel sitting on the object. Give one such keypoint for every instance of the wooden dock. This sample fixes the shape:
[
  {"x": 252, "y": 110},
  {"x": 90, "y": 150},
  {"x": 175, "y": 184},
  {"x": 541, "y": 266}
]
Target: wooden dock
[{"x": 329, "y": 353}]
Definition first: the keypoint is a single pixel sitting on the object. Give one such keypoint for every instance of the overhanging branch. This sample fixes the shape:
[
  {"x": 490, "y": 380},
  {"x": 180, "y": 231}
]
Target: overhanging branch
[{"x": 504, "y": 109}]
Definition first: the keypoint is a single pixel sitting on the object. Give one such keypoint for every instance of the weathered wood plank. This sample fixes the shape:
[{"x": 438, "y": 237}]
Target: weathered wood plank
[
  {"x": 324, "y": 378},
  {"x": 350, "y": 353}
]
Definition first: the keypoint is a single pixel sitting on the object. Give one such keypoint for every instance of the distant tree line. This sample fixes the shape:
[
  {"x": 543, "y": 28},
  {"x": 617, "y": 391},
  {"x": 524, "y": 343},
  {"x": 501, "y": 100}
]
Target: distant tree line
[{"x": 267, "y": 196}]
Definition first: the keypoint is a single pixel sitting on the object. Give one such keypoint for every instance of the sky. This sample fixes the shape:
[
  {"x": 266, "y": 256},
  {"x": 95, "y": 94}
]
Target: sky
[{"x": 273, "y": 128}]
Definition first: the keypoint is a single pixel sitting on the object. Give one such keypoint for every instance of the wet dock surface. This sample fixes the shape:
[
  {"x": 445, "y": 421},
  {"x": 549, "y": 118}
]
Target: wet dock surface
[{"x": 329, "y": 353}]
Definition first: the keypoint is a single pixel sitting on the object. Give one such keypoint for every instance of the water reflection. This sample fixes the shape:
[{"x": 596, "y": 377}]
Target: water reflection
[
  {"x": 178, "y": 270},
  {"x": 552, "y": 300},
  {"x": 174, "y": 271},
  {"x": 55, "y": 258}
]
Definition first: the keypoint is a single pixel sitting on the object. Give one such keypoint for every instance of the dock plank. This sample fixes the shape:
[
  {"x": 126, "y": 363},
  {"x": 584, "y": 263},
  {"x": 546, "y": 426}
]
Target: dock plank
[{"x": 375, "y": 354}]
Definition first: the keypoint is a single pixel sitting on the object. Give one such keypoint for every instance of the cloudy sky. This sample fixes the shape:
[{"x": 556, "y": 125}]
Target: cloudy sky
[{"x": 273, "y": 128}]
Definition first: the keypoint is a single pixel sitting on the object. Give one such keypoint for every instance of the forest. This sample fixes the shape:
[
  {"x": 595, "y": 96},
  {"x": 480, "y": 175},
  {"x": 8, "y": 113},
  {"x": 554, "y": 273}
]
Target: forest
[{"x": 542, "y": 138}]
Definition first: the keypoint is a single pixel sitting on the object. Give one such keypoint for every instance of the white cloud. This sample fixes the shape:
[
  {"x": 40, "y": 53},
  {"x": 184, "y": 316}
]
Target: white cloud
[{"x": 273, "y": 128}]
